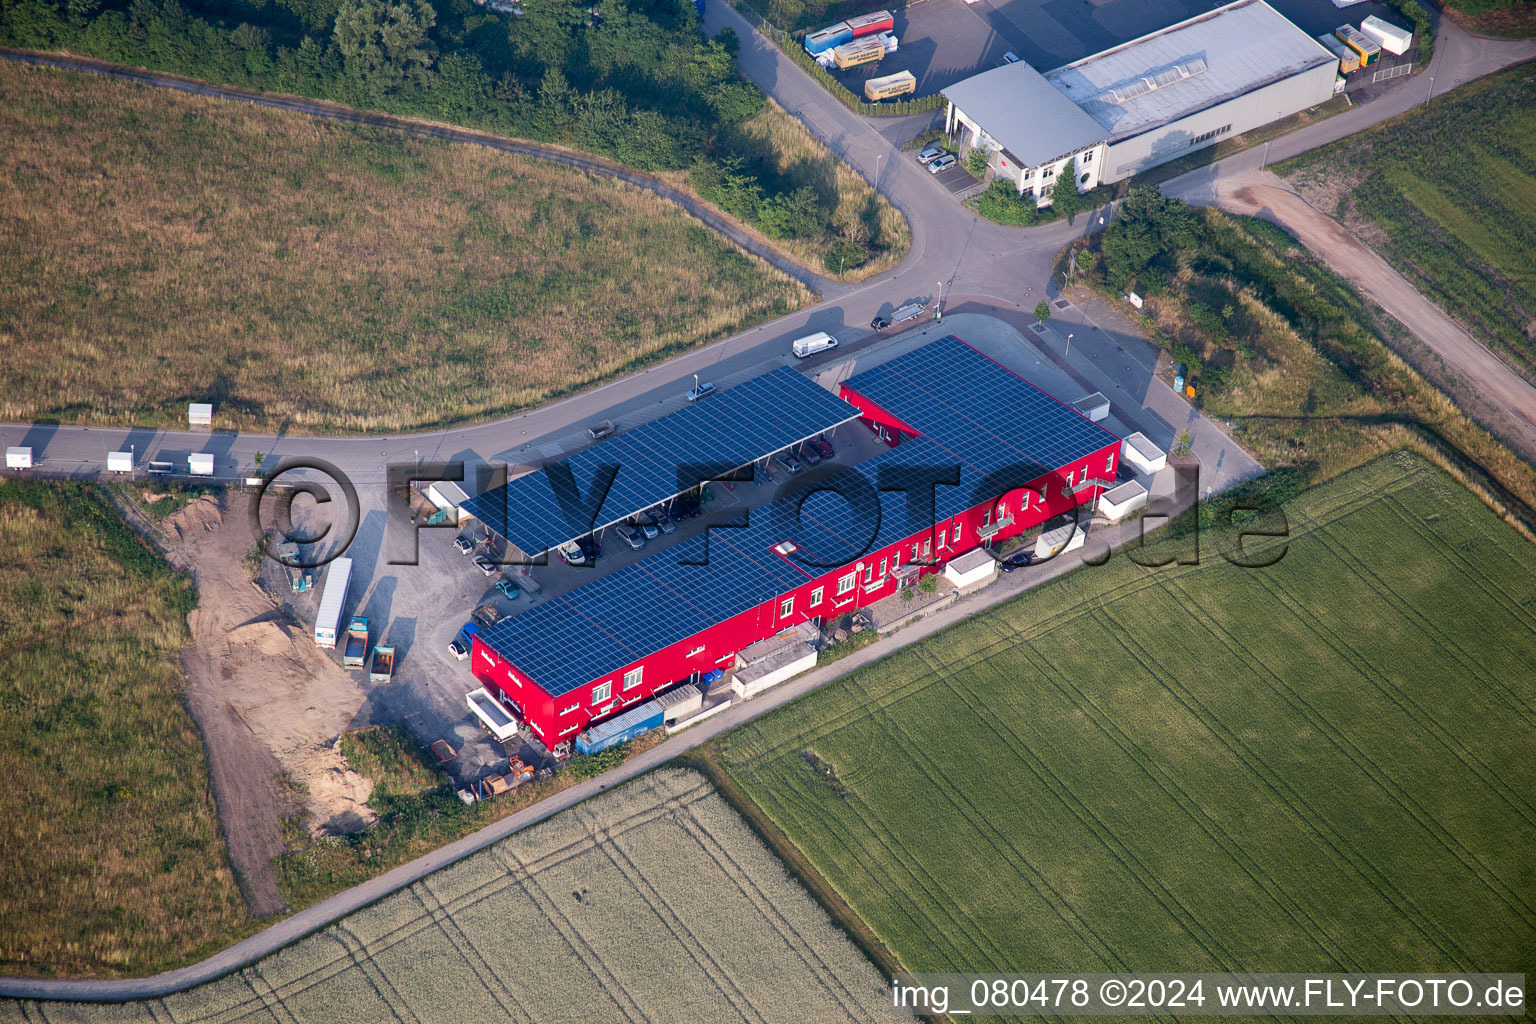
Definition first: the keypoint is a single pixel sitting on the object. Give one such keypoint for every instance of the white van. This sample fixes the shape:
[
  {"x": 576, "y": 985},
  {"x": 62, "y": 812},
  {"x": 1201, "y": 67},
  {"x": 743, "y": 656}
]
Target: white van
[{"x": 813, "y": 343}]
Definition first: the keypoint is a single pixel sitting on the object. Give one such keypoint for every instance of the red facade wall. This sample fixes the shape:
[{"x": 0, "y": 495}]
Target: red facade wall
[{"x": 553, "y": 719}]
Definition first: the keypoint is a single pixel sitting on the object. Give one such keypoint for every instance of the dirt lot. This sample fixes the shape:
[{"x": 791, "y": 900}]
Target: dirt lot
[{"x": 270, "y": 704}]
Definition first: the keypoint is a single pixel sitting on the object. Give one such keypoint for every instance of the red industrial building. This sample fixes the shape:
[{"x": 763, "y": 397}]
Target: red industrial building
[{"x": 1013, "y": 456}]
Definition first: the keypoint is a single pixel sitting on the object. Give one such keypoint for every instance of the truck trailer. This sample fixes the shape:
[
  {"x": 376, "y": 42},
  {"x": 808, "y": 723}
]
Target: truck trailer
[
  {"x": 356, "y": 652},
  {"x": 621, "y": 729},
  {"x": 1392, "y": 39},
  {"x": 858, "y": 53},
  {"x": 383, "y": 665},
  {"x": 871, "y": 24},
  {"x": 822, "y": 40},
  {"x": 332, "y": 601},
  {"x": 1349, "y": 60},
  {"x": 1368, "y": 49}
]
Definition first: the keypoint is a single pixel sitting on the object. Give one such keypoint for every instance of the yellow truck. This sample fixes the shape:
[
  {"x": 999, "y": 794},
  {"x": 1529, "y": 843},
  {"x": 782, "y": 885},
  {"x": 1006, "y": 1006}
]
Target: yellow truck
[
  {"x": 902, "y": 83},
  {"x": 858, "y": 53}
]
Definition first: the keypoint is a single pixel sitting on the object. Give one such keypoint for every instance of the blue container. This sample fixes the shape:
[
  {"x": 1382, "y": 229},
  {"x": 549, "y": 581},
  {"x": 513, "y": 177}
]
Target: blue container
[
  {"x": 824, "y": 39},
  {"x": 634, "y": 722}
]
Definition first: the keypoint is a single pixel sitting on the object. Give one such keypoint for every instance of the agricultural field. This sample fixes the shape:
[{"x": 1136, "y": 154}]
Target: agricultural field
[
  {"x": 114, "y": 862},
  {"x": 1447, "y": 195},
  {"x": 1327, "y": 764},
  {"x": 652, "y": 902},
  {"x": 304, "y": 276},
  {"x": 1495, "y": 17}
]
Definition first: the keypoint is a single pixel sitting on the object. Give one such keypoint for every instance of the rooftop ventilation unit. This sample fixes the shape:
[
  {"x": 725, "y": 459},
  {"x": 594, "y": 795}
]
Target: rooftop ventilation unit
[{"x": 1150, "y": 82}]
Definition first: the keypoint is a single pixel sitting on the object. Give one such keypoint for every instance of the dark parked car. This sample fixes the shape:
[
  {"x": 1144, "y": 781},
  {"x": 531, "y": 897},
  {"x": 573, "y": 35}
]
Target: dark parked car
[
  {"x": 667, "y": 523},
  {"x": 809, "y": 453},
  {"x": 879, "y": 323},
  {"x": 823, "y": 447},
  {"x": 686, "y": 505},
  {"x": 789, "y": 462},
  {"x": 1017, "y": 560}
]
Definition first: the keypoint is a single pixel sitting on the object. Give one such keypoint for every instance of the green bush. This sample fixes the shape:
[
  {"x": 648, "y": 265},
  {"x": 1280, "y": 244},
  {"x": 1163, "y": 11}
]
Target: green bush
[{"x": 844, "y": 255}]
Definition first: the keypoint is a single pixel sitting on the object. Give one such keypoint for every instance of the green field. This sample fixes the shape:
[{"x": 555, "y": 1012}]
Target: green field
[
  {"x": 1324, "y": 765},
  {"x": 1453, "y": 188},
  {"x": 114, "y": 862}
]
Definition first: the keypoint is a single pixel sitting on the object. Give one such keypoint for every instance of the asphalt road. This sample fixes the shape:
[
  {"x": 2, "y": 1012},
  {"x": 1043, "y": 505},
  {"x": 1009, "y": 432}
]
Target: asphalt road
[{"x": 952, "y": 251}]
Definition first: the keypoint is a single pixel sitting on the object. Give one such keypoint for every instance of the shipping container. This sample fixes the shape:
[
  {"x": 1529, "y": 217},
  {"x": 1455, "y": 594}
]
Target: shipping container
[
  {"x": 1392, "y": 39},
  {"x": 871, "y": 24},
  {"x": 119, "y": 462},
  {"x": 823, "y": 40},
  {"x": 200, "y": 464},
  {"x": 1364, "y": 45},
  {"x": 332, "y": 601},
  {"x": 1349, "y": 60},
  {"x": 18, "y": 458},
  {"x": 858, "y": 53},
  {"x": 501, "y": 723},
  {"x": 680, "y": 702},
  {"x": 900, "y": 84},
  {"x": 610, "y": 733}
]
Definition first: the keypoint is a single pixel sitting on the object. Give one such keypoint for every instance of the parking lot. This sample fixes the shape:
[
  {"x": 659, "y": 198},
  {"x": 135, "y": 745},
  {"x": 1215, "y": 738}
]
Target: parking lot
[{"x": 944, "y": 41}]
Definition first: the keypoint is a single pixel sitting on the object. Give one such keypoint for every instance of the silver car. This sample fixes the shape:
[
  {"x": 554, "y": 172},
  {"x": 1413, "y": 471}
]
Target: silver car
[
  {"x": 943, "y": 163},
  {"x": 930, "y": 154}
]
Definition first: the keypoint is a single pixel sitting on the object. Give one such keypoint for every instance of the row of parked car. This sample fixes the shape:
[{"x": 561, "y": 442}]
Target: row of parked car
[
  {"x": 936, "y": 158},
  {"x": 812, "y": 452}
]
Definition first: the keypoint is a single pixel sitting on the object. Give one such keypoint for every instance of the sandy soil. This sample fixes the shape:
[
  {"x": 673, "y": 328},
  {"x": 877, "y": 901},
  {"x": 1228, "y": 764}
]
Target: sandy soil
[{"x": 268, "y": 701}]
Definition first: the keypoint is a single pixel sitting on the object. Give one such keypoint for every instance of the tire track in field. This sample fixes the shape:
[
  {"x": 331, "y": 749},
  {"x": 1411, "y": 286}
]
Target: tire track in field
[
  {"x": 1135, "y": 868},
  {"x": 696, "y": 948},
  {"x": 1340, "y": 741},
  {"x": 606, "y": 983},
  {"x": 1494, "y": 593},
  {"x": 271, "y": 1001},
  {"x": 1428, "y": 627},
  {"x": 1410, "y": 708},
  {"x": 1302, "y": 812},
  {"x": 372, "y": 973},
  {"x": 437, "y": 911},
  {"x": 924, "y": 889},
  {"x": 1166, "y": 783},
  {"x": 712, "y": 847}
]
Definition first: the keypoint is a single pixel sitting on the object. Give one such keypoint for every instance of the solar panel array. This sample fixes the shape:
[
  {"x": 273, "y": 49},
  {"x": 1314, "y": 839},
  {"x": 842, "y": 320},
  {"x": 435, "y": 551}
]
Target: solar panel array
[
  {"x": 976, "y": 416},
  {"x": 735, "y": 427},
  {"x": 976, "y": 411}
]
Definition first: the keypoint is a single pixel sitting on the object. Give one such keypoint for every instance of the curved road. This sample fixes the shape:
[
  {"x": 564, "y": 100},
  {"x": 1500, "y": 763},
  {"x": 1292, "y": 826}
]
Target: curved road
[{"x": 951, "y": 248}]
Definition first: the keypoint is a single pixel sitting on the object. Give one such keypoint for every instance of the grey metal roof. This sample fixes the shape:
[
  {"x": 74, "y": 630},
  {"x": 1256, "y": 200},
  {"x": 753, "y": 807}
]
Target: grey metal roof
[
  {"x": 1025, "y": 113},
  {"x": 1187, "y": 67}
]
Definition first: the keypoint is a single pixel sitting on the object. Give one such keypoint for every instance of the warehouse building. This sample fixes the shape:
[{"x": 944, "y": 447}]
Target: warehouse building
[
  {"x": 1010, "y": 455},
  {"x": 1148, "y": 101}
]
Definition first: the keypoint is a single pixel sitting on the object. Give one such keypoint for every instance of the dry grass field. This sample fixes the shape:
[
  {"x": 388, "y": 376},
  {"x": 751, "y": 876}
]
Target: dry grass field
[
  {"x": 113, "y": 859},
  {"x": 654, "y": 902},
  {"x": 161, "y": 248}
]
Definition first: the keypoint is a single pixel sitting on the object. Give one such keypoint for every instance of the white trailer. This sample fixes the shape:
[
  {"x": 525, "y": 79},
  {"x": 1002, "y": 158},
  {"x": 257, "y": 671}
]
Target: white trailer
[
  {"x": 332, "y": 602},
  {"x": 200, "y": 464},
  {"x": 119, "y": 462},
  {"x": 497, "y": 720},
  {"x": 18, "y": 458},
  {"x": 1387, "y": 35}
]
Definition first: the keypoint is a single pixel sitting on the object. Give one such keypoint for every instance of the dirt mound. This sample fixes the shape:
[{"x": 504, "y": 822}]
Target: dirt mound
[{"x": 267, "y": 637}]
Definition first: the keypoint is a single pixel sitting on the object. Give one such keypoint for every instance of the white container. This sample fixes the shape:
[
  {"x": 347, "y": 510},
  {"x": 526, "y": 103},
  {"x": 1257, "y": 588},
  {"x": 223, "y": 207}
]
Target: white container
[
  {"x": 199, "y": 414},
  {"x": 1094, "y": 406},
  {"x": 200, "y": 464},
  {"x": 119, "y": 462},
  {"x": 328, "y": 619},
  {"x": 1141, "y": 453},
  {"x": 809, "y": 345},
  {"x": 1387, "y": 35},
  {"x": 1118, "y": 502},
  {"x": 500, "y": 722},
  {"x": 18, "y": 458}
]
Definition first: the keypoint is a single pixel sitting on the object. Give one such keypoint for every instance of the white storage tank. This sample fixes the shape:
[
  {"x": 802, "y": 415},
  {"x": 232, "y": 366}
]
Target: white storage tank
[
  {"x": 119, "y": 462},
  {"x": 200, "y": 464},
  {"x": 18, "y": 458}
]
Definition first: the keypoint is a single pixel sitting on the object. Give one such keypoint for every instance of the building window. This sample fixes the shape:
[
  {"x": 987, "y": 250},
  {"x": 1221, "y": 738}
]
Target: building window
[
  {"x": 1208, "y": 136},
  {"x": 882, "y": 567},
  {"x": 1109, "y": 463},
  {"x": 786, "y": 607},
  {"x": 600, "y": 692},
  {"x": 1047, "y": 172},
  {"x": 846, "y": 583},
  {"x": 632, "y": 678},
  {"x": 568, "y": 710},
  {"x": 986, "y": 518},
  {"x": 1088, "y": 157},
  {"x": 816, "y": 596},
  {"x": 696, "y": 651},
  {"x": 927, "y": 549},
  {"x": 957, "y": 535}
]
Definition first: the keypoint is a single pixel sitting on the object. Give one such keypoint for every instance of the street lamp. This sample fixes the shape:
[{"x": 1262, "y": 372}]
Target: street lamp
[
  {"x": 1264, "y": 160},
  {"x": 1069, "y": 345},
  {"x": 938, "y": 303},
  {"x": 1431, "y": 92}
]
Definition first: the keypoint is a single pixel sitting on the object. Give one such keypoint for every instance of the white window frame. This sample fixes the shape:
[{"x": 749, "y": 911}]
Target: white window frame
[
  {"x": 786, "y": 607},
  {"x": 602, "y": 691},
  {"x": 847, "y": 583},
  {"x": 956, "y": 542},
  {"x": 816, "y": 596},
  {"x": 633, "y": 676},
  {"x": 573, "y": 707},
  {"x": 1109, "y": 463},
  {"x": 695, "y": 652}
]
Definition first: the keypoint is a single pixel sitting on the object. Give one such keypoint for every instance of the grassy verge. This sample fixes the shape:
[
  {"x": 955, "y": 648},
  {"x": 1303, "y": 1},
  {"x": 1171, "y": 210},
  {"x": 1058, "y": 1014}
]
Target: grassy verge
[
  {"x": 1241, "y": 769},
  {"x": 325, "y": 277},
  {"x": 1515, "y": 19},
  {"x": 1447, "y": 195},
  {"x": 418, "y": 812},
  {"x": 114, "y": 863},
  {"x": 1238, "y": 143}
]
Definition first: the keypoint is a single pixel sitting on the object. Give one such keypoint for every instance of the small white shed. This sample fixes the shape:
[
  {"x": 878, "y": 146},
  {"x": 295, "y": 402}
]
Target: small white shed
[
  {"x": 1141, "y": 453},
  {"x": 18, "y": 458},
  {"x": 971, "y": 571},
  {"x": 450, "y": 497},
  {"x": 1118, "y": 502},
  {"x": 200, "y": 464},
  {"x": 199, "y": 414},
  {"x": 119, "y": 462},
  {"x": 1069, "y": 536},
  {"x": 1094, "y": 406}
]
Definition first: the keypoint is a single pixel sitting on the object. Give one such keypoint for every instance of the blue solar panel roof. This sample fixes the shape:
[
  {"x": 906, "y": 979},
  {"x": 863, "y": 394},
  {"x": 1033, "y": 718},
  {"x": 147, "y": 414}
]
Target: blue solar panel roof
[
  {"x": 620, "y": 618},
  {"x": 733, "y": 428},
  {"x": 977, "y": 410}
]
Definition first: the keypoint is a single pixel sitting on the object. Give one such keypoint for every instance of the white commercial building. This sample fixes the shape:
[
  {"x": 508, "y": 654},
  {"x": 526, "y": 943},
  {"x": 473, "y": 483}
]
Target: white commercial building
[{"x": 1146, "y": 101}]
